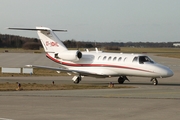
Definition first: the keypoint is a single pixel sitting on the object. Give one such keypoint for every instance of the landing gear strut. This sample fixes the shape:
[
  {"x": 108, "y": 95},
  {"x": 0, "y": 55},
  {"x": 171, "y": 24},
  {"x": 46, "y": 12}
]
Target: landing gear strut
[
  {"x": 154, "y": 81},
  {"x": 76, "y": 79},
  {"x": 121, "y": 79}
]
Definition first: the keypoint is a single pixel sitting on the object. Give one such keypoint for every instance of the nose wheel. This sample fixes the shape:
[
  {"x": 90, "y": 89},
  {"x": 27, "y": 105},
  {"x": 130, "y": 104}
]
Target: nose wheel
[{"x": 154, "y": 81}]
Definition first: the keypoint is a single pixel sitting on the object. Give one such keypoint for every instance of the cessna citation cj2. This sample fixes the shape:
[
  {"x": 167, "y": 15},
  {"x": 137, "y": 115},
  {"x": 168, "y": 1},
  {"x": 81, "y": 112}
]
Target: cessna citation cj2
[{"x": 95, "y": 63}]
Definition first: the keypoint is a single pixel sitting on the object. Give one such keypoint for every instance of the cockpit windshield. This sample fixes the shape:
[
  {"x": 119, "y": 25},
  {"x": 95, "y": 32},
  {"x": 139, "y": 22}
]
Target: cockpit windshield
[{"x": 143, "y": 59}]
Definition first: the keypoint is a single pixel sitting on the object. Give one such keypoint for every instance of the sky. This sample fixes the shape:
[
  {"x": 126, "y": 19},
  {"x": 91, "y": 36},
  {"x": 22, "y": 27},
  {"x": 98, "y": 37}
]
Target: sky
[{"x": 95, "y": 20}]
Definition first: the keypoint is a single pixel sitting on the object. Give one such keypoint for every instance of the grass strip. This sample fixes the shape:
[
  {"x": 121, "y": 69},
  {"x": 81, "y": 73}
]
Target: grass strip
[{"x": 37, "y": 87}]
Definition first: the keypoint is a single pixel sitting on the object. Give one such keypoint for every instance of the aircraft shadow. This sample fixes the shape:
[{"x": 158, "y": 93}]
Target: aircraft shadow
[
  {"x": 147, "y": 84},
  {"x": 159, "y": 84}
]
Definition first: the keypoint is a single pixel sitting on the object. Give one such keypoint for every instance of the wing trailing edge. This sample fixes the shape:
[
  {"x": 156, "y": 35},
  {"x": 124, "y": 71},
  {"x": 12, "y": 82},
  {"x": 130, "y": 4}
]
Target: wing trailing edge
[{"x": 69, "y": 71}]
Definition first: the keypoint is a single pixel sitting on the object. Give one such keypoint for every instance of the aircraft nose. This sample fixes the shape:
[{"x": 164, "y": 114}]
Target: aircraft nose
[
  {"x": 166, "y": 72},
  {"x": 169, "y": 73}
]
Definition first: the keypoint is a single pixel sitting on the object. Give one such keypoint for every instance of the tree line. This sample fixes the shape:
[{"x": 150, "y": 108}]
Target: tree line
[{"x": 13, "y": 41}]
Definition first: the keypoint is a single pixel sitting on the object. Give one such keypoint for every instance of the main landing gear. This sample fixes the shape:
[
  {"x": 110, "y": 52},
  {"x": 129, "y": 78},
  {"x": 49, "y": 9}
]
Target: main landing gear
[
  {"x": 154, "y": 81},
  {"x": 121, "y": 79},
  {"x": 76, "y": 79}
]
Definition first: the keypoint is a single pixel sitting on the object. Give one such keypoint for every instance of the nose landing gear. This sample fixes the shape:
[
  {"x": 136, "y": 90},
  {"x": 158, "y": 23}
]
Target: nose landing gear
[{"x": 154, "y": 81}]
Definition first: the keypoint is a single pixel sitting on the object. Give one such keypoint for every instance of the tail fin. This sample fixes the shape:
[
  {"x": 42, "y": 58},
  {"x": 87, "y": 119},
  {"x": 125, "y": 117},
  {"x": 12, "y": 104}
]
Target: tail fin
[{"x": 49, "y": 40}]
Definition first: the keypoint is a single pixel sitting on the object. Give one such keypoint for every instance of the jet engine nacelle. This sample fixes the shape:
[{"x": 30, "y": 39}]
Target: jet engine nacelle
[{"x": 71, "y": 55}]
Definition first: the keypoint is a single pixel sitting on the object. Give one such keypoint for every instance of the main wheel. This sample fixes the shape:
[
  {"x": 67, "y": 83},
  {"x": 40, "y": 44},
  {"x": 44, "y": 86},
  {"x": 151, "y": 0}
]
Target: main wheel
[
  {"x": 77, "y": 80},
  {"x": 121, "y": 80}
]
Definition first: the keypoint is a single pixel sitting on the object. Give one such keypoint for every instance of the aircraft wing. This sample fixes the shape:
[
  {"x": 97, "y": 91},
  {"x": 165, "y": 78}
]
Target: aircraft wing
[{"x": 83, "y": 73}]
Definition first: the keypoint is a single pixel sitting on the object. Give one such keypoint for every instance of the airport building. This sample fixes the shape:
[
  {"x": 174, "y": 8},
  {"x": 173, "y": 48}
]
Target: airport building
[{"x": 176, "y": 44}]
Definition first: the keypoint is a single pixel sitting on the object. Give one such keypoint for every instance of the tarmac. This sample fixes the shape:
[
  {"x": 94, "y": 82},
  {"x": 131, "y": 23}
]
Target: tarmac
[{"x": 144, "y": 102}]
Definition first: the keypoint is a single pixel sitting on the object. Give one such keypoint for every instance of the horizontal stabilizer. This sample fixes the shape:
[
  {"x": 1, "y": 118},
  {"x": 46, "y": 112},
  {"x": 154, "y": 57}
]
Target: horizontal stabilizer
[{"x": 37, "y": 29}]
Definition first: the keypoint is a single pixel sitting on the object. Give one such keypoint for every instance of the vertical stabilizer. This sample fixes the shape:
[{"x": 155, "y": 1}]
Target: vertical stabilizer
[{"x": 50, "y": 41}]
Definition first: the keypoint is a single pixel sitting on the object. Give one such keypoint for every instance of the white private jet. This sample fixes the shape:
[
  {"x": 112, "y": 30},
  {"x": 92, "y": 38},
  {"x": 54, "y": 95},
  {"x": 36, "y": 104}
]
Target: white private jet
[{"x": 97, "y": 64}]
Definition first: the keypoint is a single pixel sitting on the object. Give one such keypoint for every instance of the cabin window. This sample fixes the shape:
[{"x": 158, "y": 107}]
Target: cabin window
[
  {"x": 143, "y": 59},
  {"x": 125, "y": 58},
  {"x": 109, "y": 58},
  {"x": 119, "y": 59},
  {"x": 104, "y": 58},
  {"x": 114, "y": 59},
  {"x": 135, "y": 59},
  {"x": 99, "y": 57}
]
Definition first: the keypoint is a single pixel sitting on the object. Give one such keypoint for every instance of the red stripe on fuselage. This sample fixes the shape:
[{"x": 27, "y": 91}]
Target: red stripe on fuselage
[
  {"x": 53, "y": 59},
  {"x": 93, "y": 65}
]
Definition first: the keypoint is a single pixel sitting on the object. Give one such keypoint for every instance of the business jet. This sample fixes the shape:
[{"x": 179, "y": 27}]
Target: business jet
[{"x": 96, "y": 63}]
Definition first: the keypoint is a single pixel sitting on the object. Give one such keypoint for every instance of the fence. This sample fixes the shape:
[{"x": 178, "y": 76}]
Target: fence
[{"x": 17, "y": 70}]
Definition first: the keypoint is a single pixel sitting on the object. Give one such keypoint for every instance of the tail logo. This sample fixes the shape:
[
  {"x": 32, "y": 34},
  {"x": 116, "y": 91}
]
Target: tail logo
[{"x": 52, "y": 44}]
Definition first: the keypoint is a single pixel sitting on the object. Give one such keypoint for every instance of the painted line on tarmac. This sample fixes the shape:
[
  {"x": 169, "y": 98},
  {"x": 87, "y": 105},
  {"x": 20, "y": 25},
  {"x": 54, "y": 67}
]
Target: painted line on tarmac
[{"x": 5, "y": 119}]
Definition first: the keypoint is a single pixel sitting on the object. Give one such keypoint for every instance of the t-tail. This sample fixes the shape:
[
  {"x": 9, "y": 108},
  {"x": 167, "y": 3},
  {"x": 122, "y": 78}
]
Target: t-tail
[
  {"x": 50, "y": 41},
  {"x": 52, "y": 44}
]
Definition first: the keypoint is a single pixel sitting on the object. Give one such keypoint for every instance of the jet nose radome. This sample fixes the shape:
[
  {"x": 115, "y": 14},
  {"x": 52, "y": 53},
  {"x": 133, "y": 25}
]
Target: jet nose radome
[{"x": 166, "y": 72}]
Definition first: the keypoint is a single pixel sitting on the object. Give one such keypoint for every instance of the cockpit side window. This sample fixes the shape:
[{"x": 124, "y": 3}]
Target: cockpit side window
[{"x": 143, "y": 59}]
